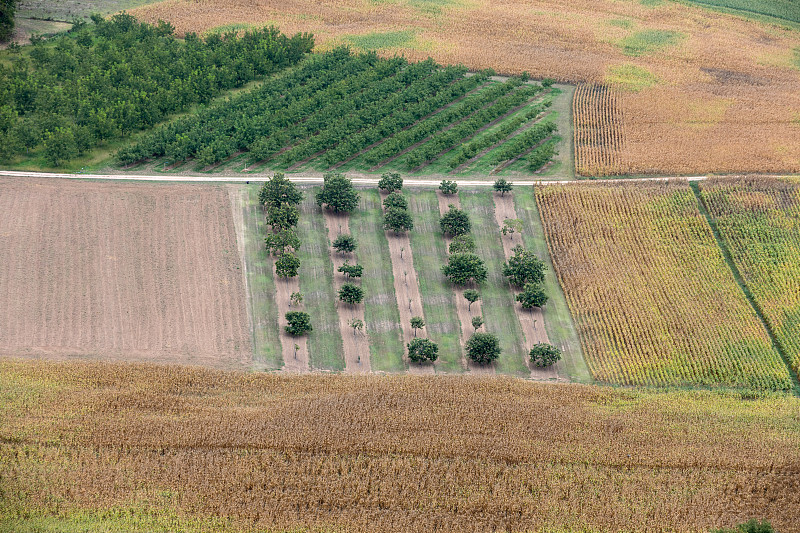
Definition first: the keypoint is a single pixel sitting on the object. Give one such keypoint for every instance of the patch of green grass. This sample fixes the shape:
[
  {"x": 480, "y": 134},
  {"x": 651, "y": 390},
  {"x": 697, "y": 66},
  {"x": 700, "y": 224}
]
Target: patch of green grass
[
  {"x": 631, "y": 78},
  {"x": 261, "y": 284},
  {"x": 649, "y": 41},
  {"x": 438, "y": 298},
  {"x": 382, "y": 40},
  {"x": 430, "y": 7},
  {"x": 557, "y": 319},
  {"x": 316, "y": 284},
  {"x": 651, "y": 3},
  {"x": 497, "y": 298},
  {"x": 236, "y": 27},
  {"x": 380, "y": 302},
  {"x": 621, "y": 23}
]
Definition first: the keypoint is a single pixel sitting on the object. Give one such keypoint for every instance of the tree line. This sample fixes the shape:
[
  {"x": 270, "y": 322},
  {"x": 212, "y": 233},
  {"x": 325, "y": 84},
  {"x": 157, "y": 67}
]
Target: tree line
[{"x": 108, "y": 78}]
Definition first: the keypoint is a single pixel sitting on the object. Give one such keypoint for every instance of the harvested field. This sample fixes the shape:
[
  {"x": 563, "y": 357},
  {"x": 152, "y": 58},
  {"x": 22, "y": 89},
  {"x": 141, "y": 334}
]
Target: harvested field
[
  {"x": 679, "y": 117},
  {"x": 110, "y": 443},
  {"x": 650, "y": 291},
  {"x": 130, "y": 272},
  {"x": 759, "y": 222}
]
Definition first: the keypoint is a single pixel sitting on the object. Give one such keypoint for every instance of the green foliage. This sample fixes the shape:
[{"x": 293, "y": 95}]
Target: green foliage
[
  {"x": 397, "y": 220},
  {"x": 390, "y": 182},
  {"x": 448, "y": 187},
  {"x": 768, "y": 10},
  {"x": 337, "y": 193},
  {"x": 472, "y": 296},
  {"x": 477, "y": 322},
  {"x": 751, "y": 526},
  {"x": 296, "y": 298},
  {"x": 465, "y": 268},
  {"x": 381, "y": 40},
  {"x": 7, "y": 9},
  {"x": 524, "y": 267},
  {"x": 397, "y": 200},
  {"x": 421, "y": 350},
  {"x": 282, "y": 241},
  {"x": 351, "y": 271},
  {"x": 648, "y": 41},
  {"x": 511, "y": 226},
  {"x": 483, "y": 348},
  {"x": 283, "y": 217},
  {"x": 544, "y": 354},
  {"x": 299, "y": 323},
  {"x": 358, "y": 325},
  {"x": 462, "y": 244},
  {"x": 526, "y": 140},
  {"x": 417, "y": 322},
  {"x": 115, "y": 76},
  {"x": 455, "y": 222},
  {"x": 532, "y": 295},
  {"x": 502, "y": 186},
  {"x": 351, "y": 294},
  {"x": 345, "y": 244},
  {"x": 287, "y": 265},
  {"x": 279, "y": 191},
  {"x": 542, "y": 154}
]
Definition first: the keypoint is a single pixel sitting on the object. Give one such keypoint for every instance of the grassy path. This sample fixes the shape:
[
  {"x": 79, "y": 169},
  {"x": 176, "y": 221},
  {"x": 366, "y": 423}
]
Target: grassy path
[
  {"x": 316, "y": 285},
  {"x": 382, "y": 321},
  {"x": 430, "y": 254},
  {"x": 497, "y": 297},
  {"x": 557, "y": 319}
]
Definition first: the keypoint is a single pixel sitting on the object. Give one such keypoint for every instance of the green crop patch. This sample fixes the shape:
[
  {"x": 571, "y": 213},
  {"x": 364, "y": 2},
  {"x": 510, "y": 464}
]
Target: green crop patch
[
  {"x": 630, "y": 77},
  {"x": 649, "y": 41},
  {"x": 382, "y": 40}
]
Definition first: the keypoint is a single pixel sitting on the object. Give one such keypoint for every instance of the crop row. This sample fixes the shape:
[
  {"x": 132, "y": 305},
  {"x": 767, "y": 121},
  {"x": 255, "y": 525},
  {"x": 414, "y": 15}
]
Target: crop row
[
  {"x": 473, "y": 148},
  {"x": 651, "y": 292},
  {"x": 524, "y": 141}
]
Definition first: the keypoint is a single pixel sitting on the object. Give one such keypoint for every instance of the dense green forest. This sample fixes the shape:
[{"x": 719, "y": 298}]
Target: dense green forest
[
  {"x": 7, "y": 10},
  {"x": 108, "y": 78}
]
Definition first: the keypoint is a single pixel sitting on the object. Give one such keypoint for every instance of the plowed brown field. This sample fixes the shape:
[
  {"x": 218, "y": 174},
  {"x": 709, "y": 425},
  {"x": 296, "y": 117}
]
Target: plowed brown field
[
  {"x": 722, "y": 94},
  {"x": 144, "y": 272}
]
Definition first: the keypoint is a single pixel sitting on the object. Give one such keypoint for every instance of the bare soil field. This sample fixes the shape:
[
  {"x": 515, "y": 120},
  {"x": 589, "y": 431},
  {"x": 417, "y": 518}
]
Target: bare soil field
[
  {"x": 130, "y": 272},
  {"x": 687, "y": 77}
]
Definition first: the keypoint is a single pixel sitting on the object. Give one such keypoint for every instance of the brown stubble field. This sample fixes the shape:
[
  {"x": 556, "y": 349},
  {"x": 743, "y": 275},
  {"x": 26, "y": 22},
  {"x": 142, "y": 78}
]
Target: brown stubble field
[
  {"x": 118, "y": 271},
  {"x": 399, "y": 453},
  {"x": 724, "y": 97}
]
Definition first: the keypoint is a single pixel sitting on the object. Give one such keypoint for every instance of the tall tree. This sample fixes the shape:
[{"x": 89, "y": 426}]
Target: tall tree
[
  {"x": 278, "y": 191},
  {"x": 351, "y": 294},
  {"x": 483, "y": 348},
  {"x": 337, "y": 193},
  {"x": 287, "y": 265},
  {"x": 524, "y": 267},
  {"x": 464, "y": 268},
  {"x": 421, "y": 350},
  {"x": 345, "y": 244},
  {"x": 397, "y": 220},
  {"x": 390, "y": 182},
  {"x": 298, "y": 323},
  {"x": 455, "y": 222},
  {"x": 502, "y": 186}
]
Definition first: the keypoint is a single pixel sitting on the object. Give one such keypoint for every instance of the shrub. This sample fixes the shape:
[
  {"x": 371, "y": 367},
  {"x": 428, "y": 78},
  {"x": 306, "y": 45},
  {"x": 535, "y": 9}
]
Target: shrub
[
  {"x": 532, "y": 295},
  {"x": 462, "y": 244},
  {"x": 544, "y": 354},
  {"x": 524, "y": 267},
  {"x": 287, "y": 265},
  {"x": 483, "y": 348},
  {"x": 397, "y": 220},
  {"x": 345, "y": 244},
  {"x": 421, "y": 350},
  {"x": 464, "y": 268},
  {"x": 390, "y": 182},
  {"x": 299, "y": 323},
  {"x": 351, "y": 294},
  {"x": 448, "y": 187},
  {"x": 455, "y": 222}
]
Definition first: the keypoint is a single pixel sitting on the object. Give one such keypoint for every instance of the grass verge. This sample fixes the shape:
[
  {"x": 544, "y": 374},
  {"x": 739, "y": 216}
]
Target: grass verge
[
  {"x": 380, "y": 308},
  {"x": 497, "y": 298},
  {"x": 316, "y": 284},
  {"x": 430, "y": 253}
]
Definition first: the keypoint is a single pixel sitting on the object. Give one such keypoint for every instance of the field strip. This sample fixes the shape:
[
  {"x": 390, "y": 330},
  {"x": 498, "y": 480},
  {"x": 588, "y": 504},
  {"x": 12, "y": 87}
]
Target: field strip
[
  {"x": 238, "y": 206},
  {"x": 293, "y": 360},
  {"x": 406, "y": 284},
  {"x": 355, "y": 344},
  {"x": 462, "y": 305},
  {"x": 504, "y": 209},
  {"x": 316, "y": 179}
]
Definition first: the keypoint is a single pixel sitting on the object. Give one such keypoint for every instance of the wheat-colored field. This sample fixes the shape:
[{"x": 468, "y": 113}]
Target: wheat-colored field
[
  {"x": 119, "y": 444},
  {"x": 701, "y": 91}
]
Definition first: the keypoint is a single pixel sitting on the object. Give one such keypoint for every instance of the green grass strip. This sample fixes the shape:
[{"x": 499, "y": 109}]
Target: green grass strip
[
  {"x": 430, "y": 253},
  {"x": 497, "y": 298},
  {"x": 316, "y": 284},
  {"x": 380, "y": 302},
  {"x": 266, "y": 341},
  {"x": 557, "y": 319}
]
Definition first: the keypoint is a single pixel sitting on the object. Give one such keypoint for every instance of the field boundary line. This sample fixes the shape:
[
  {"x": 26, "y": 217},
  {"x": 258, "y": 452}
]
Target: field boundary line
[{"x": 737, "y": 275}]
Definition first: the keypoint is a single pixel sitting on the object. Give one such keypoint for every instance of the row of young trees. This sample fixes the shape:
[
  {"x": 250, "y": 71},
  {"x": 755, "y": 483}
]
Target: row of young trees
[{"x": 105, "y": 79}]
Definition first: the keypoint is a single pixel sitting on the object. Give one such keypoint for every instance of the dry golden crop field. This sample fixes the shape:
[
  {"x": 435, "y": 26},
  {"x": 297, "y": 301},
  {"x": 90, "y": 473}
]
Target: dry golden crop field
[
  {"x": 701, "y": 91},
  {"x": 651, "y": 293},
  {"x": 132, "y": 272},
  {"x": 120, "y": 444}
]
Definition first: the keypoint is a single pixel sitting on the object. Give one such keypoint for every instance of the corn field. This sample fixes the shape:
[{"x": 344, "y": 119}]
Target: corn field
[
  {"x": 599, "y": 131},
  {"x": 759, "y": 220},
  {"x": 653, "y": 298},
  {"x": 377, "y": 453}
]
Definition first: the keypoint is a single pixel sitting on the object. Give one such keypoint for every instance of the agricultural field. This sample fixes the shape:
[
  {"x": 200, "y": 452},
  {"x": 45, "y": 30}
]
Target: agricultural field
[
  {"x": 355, "y": 112},
  {"x": 759, "y": 223},
  {"x": 599, "y": 131},
  {"x": 650, "y": 290},
  {"x": 687, "y": 76},
  {"x": 111, "y": 447},
  {"x": 125, "y": 272}
]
